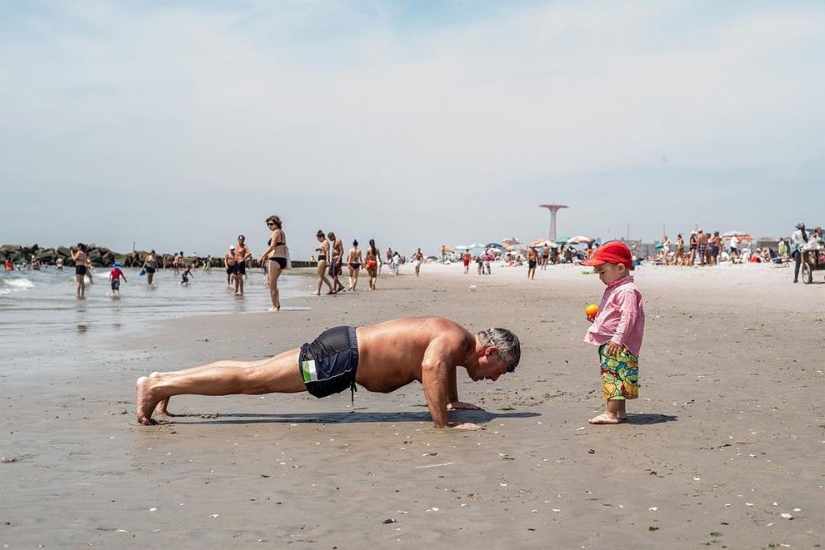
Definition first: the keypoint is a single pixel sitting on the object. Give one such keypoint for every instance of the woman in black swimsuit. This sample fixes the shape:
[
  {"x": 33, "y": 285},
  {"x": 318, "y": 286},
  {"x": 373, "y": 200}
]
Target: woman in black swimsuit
[
  {"x": 354, "y": 261},
  {"x": 275, "y": 255},
  {"x": 323, "y": 254}
]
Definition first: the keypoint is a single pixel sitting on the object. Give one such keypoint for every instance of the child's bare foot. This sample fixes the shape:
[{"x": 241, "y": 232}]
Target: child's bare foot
[{"x": 607, "y": 418}]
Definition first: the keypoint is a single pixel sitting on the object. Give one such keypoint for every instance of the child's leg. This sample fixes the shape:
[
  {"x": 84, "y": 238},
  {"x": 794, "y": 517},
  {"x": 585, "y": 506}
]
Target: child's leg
[
  {"x": 617, "y": 408},
  {"x": 620, "y": 381}
]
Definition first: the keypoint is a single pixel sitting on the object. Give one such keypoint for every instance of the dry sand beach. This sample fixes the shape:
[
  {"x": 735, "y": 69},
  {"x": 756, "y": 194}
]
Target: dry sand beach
[{"x": 724, "y": 447}]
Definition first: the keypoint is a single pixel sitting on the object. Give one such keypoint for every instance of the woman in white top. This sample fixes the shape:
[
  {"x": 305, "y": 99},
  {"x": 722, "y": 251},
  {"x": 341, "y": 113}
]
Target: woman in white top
[{"x": 798, "y": 240}]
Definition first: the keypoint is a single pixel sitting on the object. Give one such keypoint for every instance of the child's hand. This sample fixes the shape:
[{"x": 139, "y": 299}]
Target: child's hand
[{"x": 613, "y": 349}]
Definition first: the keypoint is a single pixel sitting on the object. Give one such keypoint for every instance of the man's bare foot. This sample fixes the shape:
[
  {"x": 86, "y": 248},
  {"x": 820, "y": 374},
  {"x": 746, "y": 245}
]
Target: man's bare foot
[
  {"x": 143, "y": 404},
  {"x": 162, "y": 408},
  {"x": 606, "y": 418}
]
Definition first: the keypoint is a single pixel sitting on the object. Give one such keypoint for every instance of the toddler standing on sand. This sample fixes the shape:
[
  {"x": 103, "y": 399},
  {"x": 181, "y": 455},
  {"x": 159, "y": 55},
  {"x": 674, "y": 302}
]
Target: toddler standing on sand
[{"x": 618, "y": 329}]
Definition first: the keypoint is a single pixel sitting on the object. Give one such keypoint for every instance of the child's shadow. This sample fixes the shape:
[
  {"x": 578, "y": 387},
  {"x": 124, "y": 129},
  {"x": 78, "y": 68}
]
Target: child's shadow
[{"x": 650, "y": 418}]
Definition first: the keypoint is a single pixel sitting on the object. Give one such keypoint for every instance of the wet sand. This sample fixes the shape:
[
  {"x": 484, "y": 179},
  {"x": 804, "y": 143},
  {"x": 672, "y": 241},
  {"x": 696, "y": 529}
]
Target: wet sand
[{"x": 727, "y": 437}]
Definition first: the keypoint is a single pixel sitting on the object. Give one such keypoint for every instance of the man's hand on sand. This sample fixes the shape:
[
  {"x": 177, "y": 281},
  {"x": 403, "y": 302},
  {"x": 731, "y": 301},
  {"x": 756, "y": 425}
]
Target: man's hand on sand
[
  {"x": 461, "y": 406},
  {"x": 464, "y": 426}
]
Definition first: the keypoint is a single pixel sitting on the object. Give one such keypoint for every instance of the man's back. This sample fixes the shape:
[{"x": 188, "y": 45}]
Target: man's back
[{"x": 391, "y": 354}]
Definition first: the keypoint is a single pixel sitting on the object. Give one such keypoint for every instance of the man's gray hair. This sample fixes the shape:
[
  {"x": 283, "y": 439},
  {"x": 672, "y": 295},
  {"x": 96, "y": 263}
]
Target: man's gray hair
[{"x": 505, "y": 341}]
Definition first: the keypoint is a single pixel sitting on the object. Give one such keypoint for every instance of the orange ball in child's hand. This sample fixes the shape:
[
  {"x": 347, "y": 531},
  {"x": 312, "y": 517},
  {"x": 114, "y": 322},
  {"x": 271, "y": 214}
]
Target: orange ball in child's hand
[{"x": 591, "y": 310}]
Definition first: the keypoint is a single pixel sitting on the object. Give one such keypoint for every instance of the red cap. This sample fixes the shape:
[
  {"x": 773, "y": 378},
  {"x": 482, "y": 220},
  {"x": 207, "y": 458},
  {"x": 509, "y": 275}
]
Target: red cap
[{"x": 614, "y": 252}]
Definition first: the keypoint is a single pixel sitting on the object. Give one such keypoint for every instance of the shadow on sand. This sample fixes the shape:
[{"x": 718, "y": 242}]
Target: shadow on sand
[
  {"x": 650, "y": 418},
  {"x": 477, "y": 417}
]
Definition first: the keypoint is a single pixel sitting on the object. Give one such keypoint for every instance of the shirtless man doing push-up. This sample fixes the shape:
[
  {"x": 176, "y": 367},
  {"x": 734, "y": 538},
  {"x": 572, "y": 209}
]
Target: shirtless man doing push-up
[{"x": 381, "y": 358}]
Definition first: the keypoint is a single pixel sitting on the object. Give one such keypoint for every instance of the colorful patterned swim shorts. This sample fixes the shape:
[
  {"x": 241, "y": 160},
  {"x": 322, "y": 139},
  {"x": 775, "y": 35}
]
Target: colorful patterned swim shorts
[{"x": 620, "y": 375}]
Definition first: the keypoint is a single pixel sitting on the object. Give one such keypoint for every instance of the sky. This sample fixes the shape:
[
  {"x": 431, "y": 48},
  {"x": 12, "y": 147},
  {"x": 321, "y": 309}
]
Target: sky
[{"x": 179, "y": 125}]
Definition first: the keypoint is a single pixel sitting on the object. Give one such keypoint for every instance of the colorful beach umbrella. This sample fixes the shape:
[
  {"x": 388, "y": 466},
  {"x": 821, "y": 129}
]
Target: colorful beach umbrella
[
  {"x": 544, "y": 242},
  {"x": 579, "y": 239},
  {"x": 741, "y": 235},
  {"x": 516, "y": 247}
]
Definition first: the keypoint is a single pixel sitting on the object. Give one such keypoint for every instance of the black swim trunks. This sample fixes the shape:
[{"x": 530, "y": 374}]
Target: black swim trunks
[{"x": 328, "y": 364}]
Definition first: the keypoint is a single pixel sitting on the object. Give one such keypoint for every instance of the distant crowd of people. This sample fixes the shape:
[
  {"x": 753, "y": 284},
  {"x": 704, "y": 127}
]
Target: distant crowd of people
[{"x": 706, "y": 249}]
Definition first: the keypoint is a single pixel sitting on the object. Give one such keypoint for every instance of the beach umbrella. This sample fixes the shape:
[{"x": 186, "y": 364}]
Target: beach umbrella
[
  {"x": 475, "y": 245},
  {"x": 743, "y": 236},
  {"x": 494, "y": 245},
  {"x": 510, "y": 241},
  {"x": 544, "y": 242},
  {"x": 579, "y": 239},
  {"x": 658, "y": 245},
  {"x": 516, "y": 247},
  {"x": 461, "y": 247}
]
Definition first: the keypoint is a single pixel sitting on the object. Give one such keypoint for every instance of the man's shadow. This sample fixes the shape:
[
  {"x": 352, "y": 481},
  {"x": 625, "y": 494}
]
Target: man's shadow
[{"x": 351, "y": 417}]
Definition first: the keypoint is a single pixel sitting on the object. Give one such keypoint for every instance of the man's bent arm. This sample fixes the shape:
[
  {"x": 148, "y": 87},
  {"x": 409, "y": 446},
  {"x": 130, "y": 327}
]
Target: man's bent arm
[
  {"x": 438, "y": 376},
  {"x": 453, "y": 385},
  {"x": 434, "y": 378}
]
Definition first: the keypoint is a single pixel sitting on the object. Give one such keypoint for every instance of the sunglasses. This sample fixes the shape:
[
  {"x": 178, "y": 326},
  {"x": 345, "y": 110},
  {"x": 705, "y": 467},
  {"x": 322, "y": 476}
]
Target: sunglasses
[
  {"x": 510, "y": 368},
  {"x": 270, "y": 224}
]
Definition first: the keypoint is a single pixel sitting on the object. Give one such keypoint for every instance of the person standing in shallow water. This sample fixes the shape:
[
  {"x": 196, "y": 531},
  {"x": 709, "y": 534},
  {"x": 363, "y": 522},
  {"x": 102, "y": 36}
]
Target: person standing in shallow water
[
  {"x": 79, "y": 258},
  {"x": 276, "y": 256},
  {"x": 242, "y": 254},
  {"x": 150, "y": 265},
  {"x": 229, "y": 266},
  {"x": 115, "y": 275}
]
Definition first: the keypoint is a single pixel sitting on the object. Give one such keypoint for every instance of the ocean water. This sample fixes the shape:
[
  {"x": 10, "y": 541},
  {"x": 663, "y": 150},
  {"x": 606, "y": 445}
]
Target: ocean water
[{"x": 40, "y": 316}]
